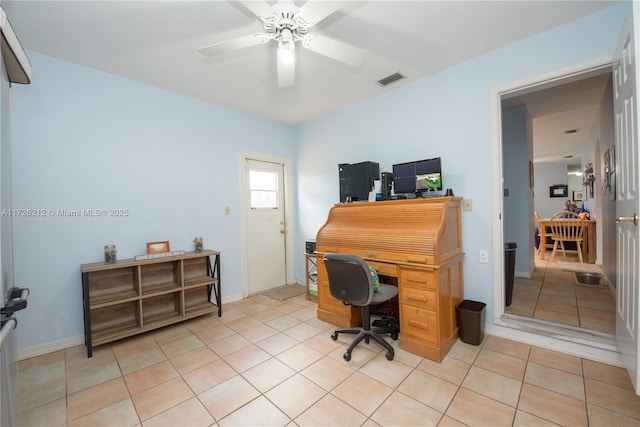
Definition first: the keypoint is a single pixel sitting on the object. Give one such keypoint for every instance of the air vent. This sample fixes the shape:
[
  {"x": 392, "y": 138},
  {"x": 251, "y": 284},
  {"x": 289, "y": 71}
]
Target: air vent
[
  {"x": 390, "y": 79},
  {"x": 570, "y": 131}
]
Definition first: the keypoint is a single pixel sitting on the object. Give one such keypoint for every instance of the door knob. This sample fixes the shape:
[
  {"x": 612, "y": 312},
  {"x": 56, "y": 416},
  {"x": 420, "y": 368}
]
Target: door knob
[{"x": 633, "y": 219}]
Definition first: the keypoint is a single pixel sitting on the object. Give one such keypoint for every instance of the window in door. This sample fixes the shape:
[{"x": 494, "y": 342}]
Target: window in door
[{"x": 263, "y": 188}]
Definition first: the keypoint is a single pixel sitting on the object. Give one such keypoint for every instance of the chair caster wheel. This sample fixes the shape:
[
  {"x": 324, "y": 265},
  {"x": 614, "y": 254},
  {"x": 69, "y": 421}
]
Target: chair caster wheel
[
  {"x": 347, "y": 356},
  {"x": 389, "y": 355},
  {"x": 334, "y": 336},
  {"x": 394, "y": 337}
]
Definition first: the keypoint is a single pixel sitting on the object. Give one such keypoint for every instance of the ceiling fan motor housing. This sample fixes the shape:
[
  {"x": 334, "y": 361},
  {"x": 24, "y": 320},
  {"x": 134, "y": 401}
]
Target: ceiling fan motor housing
[{"x": 286, "y": 16}]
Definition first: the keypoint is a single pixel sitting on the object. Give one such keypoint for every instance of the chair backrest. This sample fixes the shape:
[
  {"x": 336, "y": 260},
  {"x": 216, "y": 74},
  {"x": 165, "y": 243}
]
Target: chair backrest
[
  {"x": 349, "y": 277},
  {"x": 567, "y": 226},
  {"x": 537, "y": 216},
  {"x": 565, "y": 215}
]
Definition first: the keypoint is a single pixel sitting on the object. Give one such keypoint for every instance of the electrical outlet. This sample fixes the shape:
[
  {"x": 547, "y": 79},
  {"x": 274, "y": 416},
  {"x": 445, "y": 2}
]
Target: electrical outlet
[
  {"x": 483, "y": 257},
  {"x": 467, "y": 204}
]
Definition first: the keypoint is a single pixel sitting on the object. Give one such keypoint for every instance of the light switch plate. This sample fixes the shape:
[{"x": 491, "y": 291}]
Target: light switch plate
[{"x": 467, "y": 204}]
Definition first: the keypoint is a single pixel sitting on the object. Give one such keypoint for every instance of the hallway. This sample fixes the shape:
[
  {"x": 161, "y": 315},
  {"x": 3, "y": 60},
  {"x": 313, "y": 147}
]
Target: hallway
[{"x": 553, "y": 294}]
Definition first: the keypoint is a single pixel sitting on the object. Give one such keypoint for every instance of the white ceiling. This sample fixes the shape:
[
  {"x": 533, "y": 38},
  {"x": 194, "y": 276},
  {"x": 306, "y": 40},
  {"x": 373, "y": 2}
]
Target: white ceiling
[
  {"x": 572, "y": 104},
  {"x": 156, "y": 42}
]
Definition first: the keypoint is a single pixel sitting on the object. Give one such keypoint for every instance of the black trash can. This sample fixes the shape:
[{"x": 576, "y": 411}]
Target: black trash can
[
  {"x": 470, "y": 315},
  {"x": 509, "y": 270}
]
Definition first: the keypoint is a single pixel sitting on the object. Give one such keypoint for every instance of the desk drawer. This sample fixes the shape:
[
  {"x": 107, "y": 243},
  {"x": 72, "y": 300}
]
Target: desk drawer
[
  {"x": 328, "y": 303},
  {"x": 417, "y": 278},
  {"x": 418, "y": 297},
  {"x": 384, "y": 269},
  {"x": 419, "y": 322}
]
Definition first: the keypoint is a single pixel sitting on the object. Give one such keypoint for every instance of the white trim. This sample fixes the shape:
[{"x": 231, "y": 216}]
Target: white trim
[
  {"x": 288, "y": 213},
  {"x": 16, "y": 61},
  {"x": 558, "y": 342},
  {"x": 49, "y": 347}
]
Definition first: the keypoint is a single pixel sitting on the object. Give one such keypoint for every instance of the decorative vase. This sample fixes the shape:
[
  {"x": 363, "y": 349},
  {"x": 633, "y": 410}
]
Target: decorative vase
[{"x": 110, "y": 253}]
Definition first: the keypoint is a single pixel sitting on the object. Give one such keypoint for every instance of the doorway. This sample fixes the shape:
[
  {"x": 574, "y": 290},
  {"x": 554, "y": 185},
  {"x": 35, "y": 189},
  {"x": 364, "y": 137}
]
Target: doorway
[
  {"x": 524, "y": 218},
  {"x": 265, "y": 200}
]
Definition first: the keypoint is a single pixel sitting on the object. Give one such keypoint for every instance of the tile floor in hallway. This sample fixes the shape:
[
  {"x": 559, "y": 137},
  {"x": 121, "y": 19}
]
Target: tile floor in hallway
[
  {"x": 270, "y": 362},
  {"x": 552, "y": 294}
]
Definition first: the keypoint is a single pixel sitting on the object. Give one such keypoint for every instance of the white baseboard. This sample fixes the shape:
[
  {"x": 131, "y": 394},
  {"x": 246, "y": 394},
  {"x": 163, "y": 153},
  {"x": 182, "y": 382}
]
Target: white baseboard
[{"x": 49, "y": 347}]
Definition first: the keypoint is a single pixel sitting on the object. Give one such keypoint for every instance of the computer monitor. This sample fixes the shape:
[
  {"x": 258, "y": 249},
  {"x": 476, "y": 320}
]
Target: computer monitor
[
  {"x": 404, "y": 178},
  {"x": 417, "y": 177}
]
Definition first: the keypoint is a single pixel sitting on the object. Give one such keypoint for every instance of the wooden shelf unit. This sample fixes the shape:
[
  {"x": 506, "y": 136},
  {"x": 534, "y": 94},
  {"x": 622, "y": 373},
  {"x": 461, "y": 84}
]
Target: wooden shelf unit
[
  {"x": 130, "y": 297},
  {"x": 311, "y": 276}
]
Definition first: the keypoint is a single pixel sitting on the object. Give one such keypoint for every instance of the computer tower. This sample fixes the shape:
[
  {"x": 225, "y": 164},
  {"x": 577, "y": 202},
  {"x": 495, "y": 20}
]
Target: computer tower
[
  {"x": 356, "y": 180},
  {"x": 387, "y": 184}
]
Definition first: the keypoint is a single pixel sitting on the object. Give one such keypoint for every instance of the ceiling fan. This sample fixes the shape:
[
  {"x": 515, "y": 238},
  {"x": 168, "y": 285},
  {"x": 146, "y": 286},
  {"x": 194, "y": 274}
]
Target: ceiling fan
[{"x": 286, "y": 23}]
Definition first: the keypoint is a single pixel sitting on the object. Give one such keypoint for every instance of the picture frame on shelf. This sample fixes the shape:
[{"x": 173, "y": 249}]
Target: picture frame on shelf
[{"x": 158, "y": 247}]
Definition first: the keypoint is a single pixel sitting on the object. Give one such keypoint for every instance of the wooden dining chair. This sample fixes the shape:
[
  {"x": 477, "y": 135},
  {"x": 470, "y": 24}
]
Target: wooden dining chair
[
  {"x": 542, "y": 246},
  {"x": 566, "y": 226}
]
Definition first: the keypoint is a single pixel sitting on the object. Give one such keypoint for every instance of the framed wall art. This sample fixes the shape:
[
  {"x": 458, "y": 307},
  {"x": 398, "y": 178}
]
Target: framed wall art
[
  {"x": 577, "y": 196},
  {"x": 560, "y": 190}
]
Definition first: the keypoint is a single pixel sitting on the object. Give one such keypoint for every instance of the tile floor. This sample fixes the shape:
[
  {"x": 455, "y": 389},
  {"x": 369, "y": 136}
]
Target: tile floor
[
  {"x": 268, "y": 362},
  {"x": 552, "y": 294}
]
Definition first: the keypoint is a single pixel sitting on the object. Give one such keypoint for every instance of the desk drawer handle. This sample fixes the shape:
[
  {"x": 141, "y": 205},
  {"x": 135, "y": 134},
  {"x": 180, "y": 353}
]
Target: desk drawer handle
[
  {"x": 420, "y": 281},
  {"x": 419, "y": 325},
  {"x": 417, "y": 297}
]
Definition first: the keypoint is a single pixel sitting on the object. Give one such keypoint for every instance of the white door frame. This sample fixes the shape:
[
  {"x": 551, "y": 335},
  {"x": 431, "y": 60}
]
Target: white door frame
[
  {"x": 288, "y": 215},
  {"x": 559, "y": 339}
]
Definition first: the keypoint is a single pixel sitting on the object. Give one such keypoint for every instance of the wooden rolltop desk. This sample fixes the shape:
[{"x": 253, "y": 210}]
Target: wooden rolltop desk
[{"x": 414, "y": 243}]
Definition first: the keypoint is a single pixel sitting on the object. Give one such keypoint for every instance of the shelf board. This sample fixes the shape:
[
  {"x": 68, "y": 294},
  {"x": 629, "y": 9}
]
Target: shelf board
[
  {"x": 115, "y": 333},
  {"x": 199, "y": 281},
  {"x": 113, "y": 298},
  {"x": 131, "y": 262},
  {"x": 164, "y": 288},
  {"x": 161, "y": 319},
  {"x": 200, "y": 309}
]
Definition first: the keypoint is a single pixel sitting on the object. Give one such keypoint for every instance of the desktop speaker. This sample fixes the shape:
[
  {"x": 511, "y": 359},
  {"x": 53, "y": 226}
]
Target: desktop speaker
[{"x": 387, "y": 184}]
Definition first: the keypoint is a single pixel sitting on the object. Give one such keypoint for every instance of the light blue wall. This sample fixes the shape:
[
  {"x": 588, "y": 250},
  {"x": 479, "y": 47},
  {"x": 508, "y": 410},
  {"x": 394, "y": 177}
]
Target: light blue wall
[
  {"x": 547, "y": 175},
  {"x": 89, "y": 140},
  {"x": 446, "y": 114},
  {"x": 517, "y": 149}
]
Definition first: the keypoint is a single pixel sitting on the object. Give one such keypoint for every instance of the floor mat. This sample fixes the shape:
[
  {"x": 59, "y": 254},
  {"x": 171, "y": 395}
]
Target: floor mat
[
  {"x": 579, "y": 267},
  {"x": 285, "y": 292}
]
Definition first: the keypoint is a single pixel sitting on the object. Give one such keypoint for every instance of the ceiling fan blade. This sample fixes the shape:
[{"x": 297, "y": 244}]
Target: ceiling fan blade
[
  {"x": 334, "y": 49},
  {"x": 234, "y": 44},
  {"x": 286, "y": 68},
  {"x": 260, "y": 8},
  {"x": 315, "y": 11}
]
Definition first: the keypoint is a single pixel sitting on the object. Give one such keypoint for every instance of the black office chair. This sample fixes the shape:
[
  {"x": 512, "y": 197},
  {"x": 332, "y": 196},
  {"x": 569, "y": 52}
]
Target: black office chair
[{"x": 350, "y": 281}]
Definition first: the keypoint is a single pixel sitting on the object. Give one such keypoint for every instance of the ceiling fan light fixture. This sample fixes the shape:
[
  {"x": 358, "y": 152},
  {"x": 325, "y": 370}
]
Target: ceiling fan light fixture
[
  {"x": 286, "y": 52},
  {"x": 286, "y": 46}
]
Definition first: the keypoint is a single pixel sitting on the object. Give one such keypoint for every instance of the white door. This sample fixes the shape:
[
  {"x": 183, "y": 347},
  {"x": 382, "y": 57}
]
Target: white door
[
  {"x": 266, "y": 234},
  {"x": 627, "y": 202}
]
